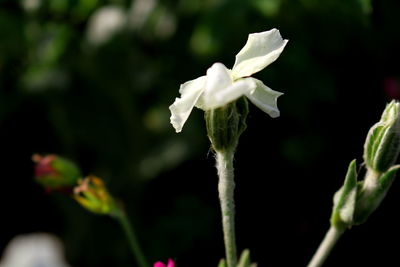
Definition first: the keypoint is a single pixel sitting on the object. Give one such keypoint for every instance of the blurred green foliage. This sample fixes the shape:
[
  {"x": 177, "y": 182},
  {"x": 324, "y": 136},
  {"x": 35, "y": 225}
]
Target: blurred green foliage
[{"x": 92, "y": 80}]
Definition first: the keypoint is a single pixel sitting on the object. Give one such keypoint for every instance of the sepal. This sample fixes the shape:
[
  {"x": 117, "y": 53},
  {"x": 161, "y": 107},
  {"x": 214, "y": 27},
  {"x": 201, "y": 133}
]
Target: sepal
[
  {"x": 345, "y": 200},
  {"x": 370, "y": 197}
]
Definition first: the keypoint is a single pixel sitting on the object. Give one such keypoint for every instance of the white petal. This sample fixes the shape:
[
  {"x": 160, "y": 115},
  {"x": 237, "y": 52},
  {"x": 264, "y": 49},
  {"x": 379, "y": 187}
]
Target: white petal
[
  {"x": 231, "y": 93},
  {"x": 181, "y": 108},
  {"x": 218, "y": 78},
  {"x": 265, "y": 98},
  {"x": 261, "y": 49}
]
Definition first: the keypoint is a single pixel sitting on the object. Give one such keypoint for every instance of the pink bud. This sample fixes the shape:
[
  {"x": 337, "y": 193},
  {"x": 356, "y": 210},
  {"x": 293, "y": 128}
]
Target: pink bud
[
  {"x": 43, "y": 165},
  {"x": 55, "y": 172},
  {"x": 170, "y": 263},
  {"x": 160, "y": 264}
]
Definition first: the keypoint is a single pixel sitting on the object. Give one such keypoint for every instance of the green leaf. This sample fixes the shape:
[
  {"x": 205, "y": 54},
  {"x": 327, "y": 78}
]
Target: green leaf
[
  {"x": 222, "y": 263},
  {"x": 345, "y": 200},
  {"x": 244, "y": 259}
]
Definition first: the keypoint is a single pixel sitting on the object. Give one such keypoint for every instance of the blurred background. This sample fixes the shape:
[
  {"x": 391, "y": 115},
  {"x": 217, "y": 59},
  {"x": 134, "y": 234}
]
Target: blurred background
[{"x": 92, "y": 80}]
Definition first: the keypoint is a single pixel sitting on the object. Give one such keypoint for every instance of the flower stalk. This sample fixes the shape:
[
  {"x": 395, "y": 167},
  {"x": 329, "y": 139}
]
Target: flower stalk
[
  {"x": 92, "y": 194},
  {"x": 132, "y": 238},
  {"x": 326, "y": 246},
  {"x": 226, "y": 186},
  {"x": 224, "y": 127}
]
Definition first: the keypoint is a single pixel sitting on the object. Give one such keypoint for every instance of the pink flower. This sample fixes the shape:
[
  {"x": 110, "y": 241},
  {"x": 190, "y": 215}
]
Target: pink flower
[{"x": 160, "y": 264}]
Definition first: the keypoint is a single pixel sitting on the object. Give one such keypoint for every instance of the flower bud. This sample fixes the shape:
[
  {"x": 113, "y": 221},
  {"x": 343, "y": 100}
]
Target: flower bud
[
  {"x": 92, "y": 194},
  {"x": 226, "y": 124},
  {"x": 161, "y": 264},
  {"x": 382, "y": 145},
  {"x": 55, "y": 172}
]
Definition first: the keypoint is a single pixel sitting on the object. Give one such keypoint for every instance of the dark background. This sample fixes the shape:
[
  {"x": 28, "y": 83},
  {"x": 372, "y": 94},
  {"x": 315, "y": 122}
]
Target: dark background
[{"x": 104, "y": 104}]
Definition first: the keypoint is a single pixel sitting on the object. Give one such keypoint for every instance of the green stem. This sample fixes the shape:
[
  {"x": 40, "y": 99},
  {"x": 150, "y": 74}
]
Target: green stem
[
  {"x": 326, "y": 246},
  {"x": 132, "y": 239},
  {"x": 226, "y": 186}
]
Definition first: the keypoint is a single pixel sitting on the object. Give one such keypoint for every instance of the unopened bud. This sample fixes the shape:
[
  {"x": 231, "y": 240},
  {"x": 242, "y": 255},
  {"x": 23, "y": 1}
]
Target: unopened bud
[
  {"x": 226, "y": 124},
  {"x": 382, "y": 145},
  {"x": 92, "y": 194},
  {"x": 55, "y": 172}
]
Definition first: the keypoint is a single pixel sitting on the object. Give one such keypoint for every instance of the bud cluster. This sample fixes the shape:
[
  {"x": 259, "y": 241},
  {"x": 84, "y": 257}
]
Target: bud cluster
[
  {"x": 382, "y": 146},
  {"x": 357, "y": 200},
  {"x": 56, "y": 173}
]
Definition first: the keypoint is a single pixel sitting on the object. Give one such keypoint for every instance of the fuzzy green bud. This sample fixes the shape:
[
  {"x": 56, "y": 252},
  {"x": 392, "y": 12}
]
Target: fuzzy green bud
[
  {"x": 382, "y": 145},
  {"x": 55, "y": 172},
  {"x": 357, "y": 200},
  {"x": 226, "y": 124}
]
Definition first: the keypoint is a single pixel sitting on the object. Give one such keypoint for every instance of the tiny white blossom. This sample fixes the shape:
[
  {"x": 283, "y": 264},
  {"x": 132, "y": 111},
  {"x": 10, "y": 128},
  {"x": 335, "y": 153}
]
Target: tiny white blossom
[
  {"x": 33, "y": 250},
  {"x": 221, "y": 85}
]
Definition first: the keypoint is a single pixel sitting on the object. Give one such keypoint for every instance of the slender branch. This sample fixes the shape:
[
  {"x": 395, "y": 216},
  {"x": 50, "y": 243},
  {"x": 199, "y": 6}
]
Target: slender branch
[
  {"x": 226, "y": 186},
  {"x": 326, "y": 246},
  {"x": 132, "y": 239}
]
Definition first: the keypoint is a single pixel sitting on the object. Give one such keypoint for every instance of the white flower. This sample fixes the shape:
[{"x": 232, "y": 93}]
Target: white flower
[
  {"x": 34, "y": 250},
  {"x": 221, "y": 85}
]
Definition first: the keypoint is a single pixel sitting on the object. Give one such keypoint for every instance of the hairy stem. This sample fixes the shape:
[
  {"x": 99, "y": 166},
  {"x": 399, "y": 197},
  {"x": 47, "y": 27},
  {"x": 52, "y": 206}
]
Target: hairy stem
[{"x": 226, "y": 186}]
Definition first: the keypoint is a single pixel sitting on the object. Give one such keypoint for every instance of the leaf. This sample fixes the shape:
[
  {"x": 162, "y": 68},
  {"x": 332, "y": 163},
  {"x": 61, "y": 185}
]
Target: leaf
[
  {"x": 222, "y": 263},
  {"x": 345, "y": 200},
  {"x": 244, "y": 259}
]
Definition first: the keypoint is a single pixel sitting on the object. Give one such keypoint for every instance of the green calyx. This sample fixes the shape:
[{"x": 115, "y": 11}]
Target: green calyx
[
  {"x": 371, "y": 192},
  {"x": 382, "y": 145},
  {"x": 226, "y": 124}
]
